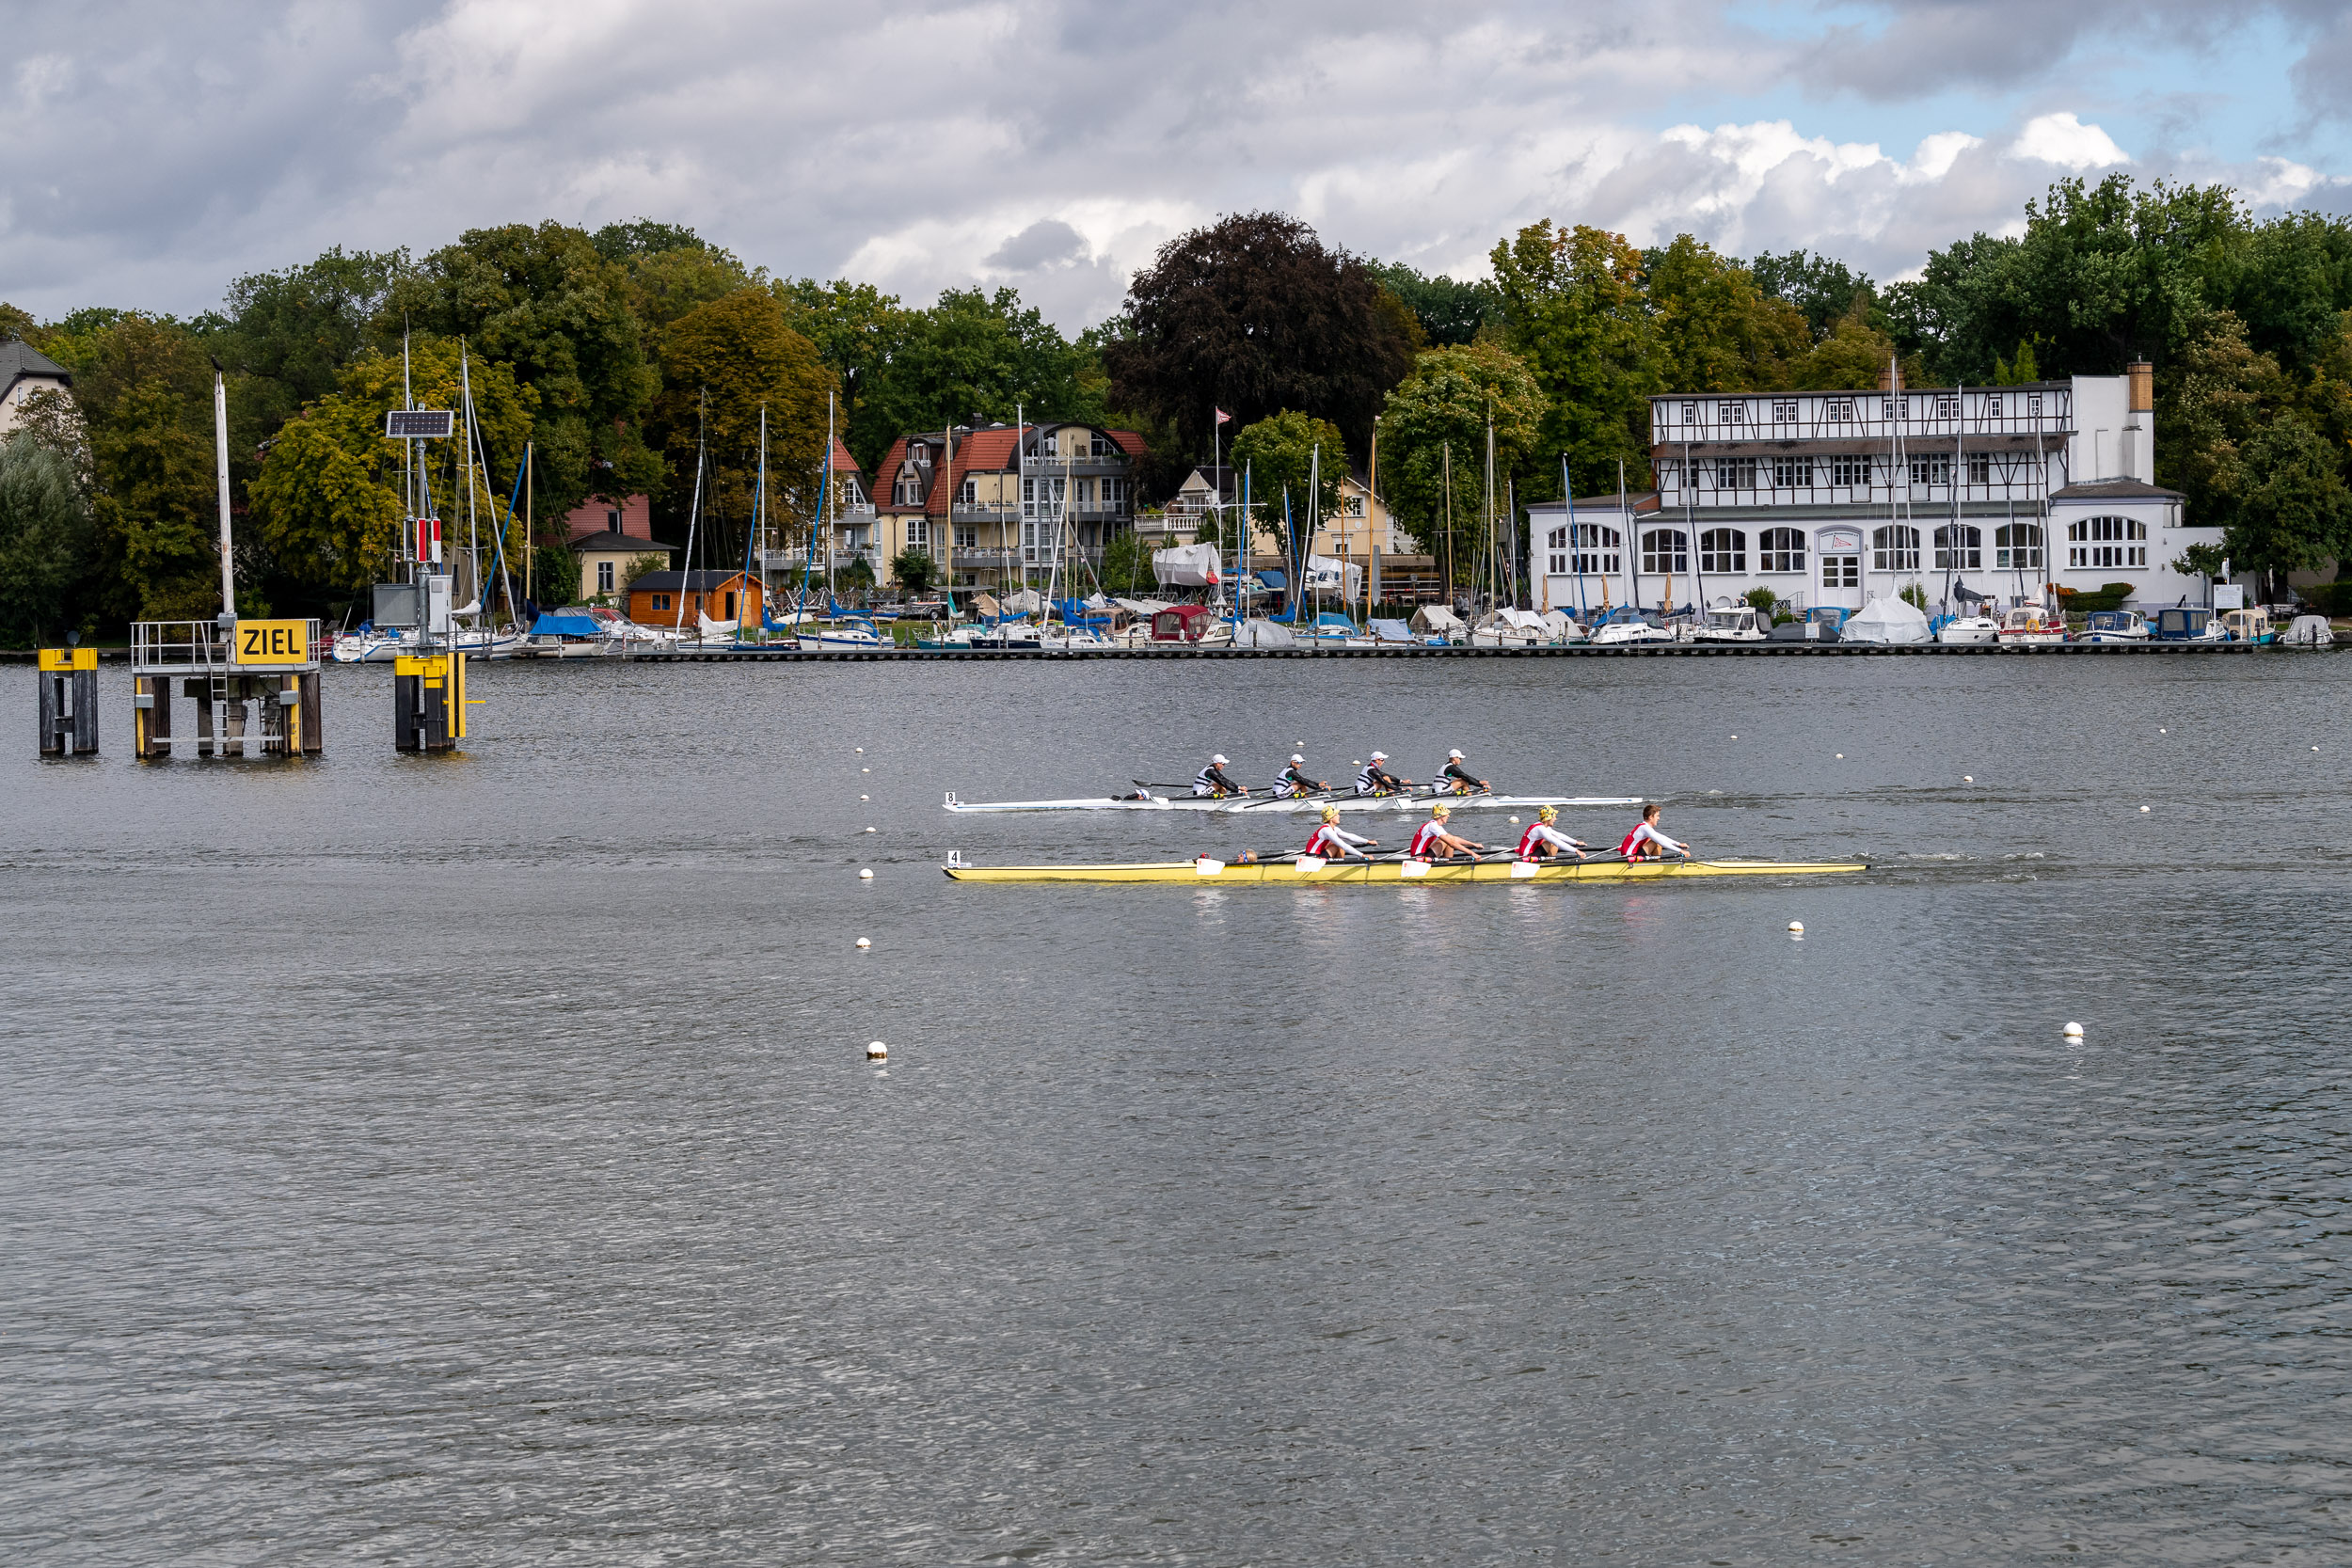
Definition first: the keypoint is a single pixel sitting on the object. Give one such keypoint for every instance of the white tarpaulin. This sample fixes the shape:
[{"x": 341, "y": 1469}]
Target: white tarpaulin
[
  {"x": 1027, "y": 602},
  {"x": 1435, "y": 618},
  {"x": 1327, "y": 576},
  {"x": 1188, "y": 566},
  {"x": 2309, "y": 631},
  {"x": 1885, "y": 621},
  {"x": 1263, "y": 633}
]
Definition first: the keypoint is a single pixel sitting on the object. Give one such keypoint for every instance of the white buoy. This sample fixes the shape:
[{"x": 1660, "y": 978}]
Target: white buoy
[
  {"x": 866, "y": 797},
  {"x": 1967, "y": 778},
  {"x": 861, "y": 751},
  {"x": 2143, "y": 808},
  {"x": 2164, "y": 731},
  {"x": 869, "y": 830},
  {"x": 1515, "y": 822},
  {"x": 1735, "y": 737},
  {"x": 1797, "y": 927},
  {"x": 1841, "y": 756},
  {"x": 2314, "y": 748},
  {"x": 2072, "y": 1031},
  {"x": 865, "y": 942},
  {"x": 864, "y": 874},
  {"x": 876, "y": 1051},
  {"x": 866, "y": 771}
]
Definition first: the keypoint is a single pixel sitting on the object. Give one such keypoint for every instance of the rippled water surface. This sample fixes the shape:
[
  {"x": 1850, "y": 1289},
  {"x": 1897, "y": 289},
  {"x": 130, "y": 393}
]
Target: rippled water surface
[{"x": 473, "y": 1160}]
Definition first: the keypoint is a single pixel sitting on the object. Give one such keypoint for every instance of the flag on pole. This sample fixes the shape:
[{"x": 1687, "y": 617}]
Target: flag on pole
[{"x": 1221, "y": 416}]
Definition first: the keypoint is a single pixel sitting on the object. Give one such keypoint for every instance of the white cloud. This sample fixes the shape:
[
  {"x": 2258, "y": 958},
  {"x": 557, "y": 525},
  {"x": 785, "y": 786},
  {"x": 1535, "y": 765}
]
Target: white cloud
[{"x": 2066, "y": 141}]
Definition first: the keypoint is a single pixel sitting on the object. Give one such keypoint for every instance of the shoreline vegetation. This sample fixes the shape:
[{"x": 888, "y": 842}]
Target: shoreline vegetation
[{"x": 608, "y": 353}]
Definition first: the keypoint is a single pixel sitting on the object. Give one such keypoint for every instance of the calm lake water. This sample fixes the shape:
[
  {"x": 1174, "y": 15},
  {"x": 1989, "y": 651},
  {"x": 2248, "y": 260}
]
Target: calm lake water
[{"x": 473, "y": 1160}]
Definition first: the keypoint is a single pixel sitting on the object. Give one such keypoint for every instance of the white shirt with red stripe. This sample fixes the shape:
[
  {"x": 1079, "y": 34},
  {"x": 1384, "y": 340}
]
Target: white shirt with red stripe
[
  {"x": 1426, "y": 839},
  {"x": 1537, "y": 835},
  {"x": 1334, "y": 844},
  {"x": 1643, "y": 833}
]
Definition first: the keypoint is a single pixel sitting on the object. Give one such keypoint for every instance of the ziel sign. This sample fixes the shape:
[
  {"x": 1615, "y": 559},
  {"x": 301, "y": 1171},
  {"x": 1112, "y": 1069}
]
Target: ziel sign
[{"x": 271, "y": 643}]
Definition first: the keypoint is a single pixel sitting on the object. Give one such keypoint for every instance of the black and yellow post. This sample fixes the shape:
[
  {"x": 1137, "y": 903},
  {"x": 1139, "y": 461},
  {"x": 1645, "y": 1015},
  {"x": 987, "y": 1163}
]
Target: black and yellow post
[
  {"x": 68, "y": 702},
  {"x": 428, "y": 702}
]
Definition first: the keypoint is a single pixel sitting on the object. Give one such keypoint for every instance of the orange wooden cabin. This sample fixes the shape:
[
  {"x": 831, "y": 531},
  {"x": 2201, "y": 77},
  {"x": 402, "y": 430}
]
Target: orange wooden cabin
[{"x": 678, "y": 598}]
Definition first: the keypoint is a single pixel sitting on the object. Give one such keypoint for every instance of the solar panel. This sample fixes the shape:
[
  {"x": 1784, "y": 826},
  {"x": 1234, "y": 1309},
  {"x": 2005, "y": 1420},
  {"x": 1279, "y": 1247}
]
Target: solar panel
[{"x": 404, "y": 424}]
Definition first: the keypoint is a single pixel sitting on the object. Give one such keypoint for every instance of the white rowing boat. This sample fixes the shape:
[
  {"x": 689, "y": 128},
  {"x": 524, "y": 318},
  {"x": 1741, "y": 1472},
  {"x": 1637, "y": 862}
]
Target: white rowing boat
[{"x": 1252, "y": 805}]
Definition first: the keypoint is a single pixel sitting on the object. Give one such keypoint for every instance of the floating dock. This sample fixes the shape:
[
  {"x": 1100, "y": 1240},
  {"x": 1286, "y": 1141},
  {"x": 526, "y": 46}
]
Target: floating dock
[{"x": 1642, "y": 650}]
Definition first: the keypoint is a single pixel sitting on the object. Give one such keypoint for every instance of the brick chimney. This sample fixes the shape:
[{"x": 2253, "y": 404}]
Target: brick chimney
[{"x": 2139, "y": 422}]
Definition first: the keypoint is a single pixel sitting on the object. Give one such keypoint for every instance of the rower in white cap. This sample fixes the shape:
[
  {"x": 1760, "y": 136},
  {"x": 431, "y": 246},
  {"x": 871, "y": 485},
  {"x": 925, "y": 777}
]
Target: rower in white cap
[
  {"x": 1376, "y": 780},
  {"x": 1212, "y": 782},
  {"x": 1458, "y": 778},
  {"x": 1294, "y": 782}
]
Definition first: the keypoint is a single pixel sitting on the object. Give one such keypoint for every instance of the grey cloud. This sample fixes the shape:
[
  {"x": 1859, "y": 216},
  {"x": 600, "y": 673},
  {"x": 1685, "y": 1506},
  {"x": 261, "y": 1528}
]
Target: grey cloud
[{"x": 1048, "y": 241}]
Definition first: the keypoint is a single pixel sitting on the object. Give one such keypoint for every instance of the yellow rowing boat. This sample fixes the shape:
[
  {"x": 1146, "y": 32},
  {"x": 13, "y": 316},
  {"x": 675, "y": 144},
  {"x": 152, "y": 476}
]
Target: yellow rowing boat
[{"x": 1309, "y": 869}]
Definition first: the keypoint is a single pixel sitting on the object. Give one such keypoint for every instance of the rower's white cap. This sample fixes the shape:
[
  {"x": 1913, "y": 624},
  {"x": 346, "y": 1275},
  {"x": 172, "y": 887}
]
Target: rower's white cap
[
  {"x": 1295, "y": 757},
  {"x": 1380, "y": 756},
  {"x": 1455, "y": 756},
  {"x": 1219, "y": 760}
]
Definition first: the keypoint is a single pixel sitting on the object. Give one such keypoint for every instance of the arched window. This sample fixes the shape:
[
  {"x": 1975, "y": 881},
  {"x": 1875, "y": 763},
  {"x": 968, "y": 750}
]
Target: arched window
[
  {"x": 1970, "y": 555},
  {"x": 1597, "y": 551},
  {"x": 1723, "y": 549},
  {"x": 2017, "y": 546},
  {"x": 1783, "y": 550},
  {"x": 1664, "y": 550},
  {"x": 2106, "y": 542},
  {"x": 1894, "y": 549}
]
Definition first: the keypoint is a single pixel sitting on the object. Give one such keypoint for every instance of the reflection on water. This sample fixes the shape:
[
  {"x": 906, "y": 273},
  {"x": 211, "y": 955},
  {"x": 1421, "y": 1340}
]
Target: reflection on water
[{"x": 472, "y": 1160}]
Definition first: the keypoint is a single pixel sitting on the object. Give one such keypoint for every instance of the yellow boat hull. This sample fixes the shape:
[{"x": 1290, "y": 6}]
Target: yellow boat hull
[{"x": 1215, "y": 873}]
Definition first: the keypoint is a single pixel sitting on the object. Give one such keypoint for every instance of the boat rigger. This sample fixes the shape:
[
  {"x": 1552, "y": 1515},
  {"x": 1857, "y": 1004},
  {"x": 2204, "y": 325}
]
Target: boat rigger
[{"x": 1303, "y": 869}]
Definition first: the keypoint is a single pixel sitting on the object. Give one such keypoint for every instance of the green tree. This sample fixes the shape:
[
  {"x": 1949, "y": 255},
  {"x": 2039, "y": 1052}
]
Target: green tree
[
  {"x": 1574, "y": 311},
  {"x": 2296, "y": 509},
  {"x": 1716, "y": 331},
  {"x": 1448, "y": 311},
  {"x": 291, "y": 332},
  {"x": 915, "y": 571},
  {"x": 725, "y": 362},
  {"x": 856, "y": 329},
  {"x": 1442, "y": 408},
  {"x": 328, "y": 498},
  {"x": 546, "y": 302},
  {"x": 1281, "y": 453},
  {"x": 1127, "y": 566},
  {"x": 44, "y": 542},
  {"x": 2218, "y": 395},
  {"x": 144, "y": 391},
  {"x": 975, "y": 356},
  {"x": 1854, "y": 357},
  {"x": 1824, "y": 292},
  {"x": 1253, "y": 314}
]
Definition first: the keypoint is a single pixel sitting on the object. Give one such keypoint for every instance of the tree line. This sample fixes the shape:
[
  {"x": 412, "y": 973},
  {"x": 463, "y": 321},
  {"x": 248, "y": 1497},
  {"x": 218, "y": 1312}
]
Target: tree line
[{"x": 633, "y": 357}]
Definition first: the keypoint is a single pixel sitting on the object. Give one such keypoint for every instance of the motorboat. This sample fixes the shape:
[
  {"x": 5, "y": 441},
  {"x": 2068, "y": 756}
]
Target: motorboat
[
  {"x": 2117, "y": 626},
  {"x": 2189, "y": 624},
  {"x": 2309, "y": 631},
  {"x": 369, "y": 645},
  {"x": 1509, "y": 628},
  {"x": 1974, "y": 629},
  {"x": 2251, "y": 624},
  {"x": 1731, "y": 623},
  {"x": 2030, "y": 625},
  {"x": 1627, "y": 626},
  {"x": 842, "y": 635}
]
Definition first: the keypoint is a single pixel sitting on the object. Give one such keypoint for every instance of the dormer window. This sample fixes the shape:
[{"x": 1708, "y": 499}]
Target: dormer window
[{"x": 1048, "y": 445}]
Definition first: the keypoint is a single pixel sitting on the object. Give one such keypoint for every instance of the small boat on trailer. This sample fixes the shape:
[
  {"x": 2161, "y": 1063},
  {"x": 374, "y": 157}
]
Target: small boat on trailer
[
  {"x": 1308, "y": 868},
  {"x": 1254, "y": 804}
]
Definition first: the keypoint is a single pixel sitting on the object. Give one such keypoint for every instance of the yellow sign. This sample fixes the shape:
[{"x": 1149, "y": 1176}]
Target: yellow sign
[
  {"x": 272, "y": 642},
  {"x": 61, "y": 660}
]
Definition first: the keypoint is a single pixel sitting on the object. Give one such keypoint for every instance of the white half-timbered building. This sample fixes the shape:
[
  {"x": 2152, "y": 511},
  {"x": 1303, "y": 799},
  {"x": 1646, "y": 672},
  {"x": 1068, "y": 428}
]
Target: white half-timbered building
[{"x": 1840, "y": 498}]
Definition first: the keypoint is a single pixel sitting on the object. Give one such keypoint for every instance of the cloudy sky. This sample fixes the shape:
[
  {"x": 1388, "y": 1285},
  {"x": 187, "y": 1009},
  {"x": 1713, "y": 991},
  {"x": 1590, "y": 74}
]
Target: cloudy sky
[{"x": 151, "y": 151}]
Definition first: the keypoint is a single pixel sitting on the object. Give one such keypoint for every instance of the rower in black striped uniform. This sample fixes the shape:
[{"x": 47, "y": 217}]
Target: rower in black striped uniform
[
  {"x": 1211, "y": 783},
  {"x": 1376, "y": 780},
  {"x": 1294, "y": 783},
  {"x": 1458, "y": 778}
]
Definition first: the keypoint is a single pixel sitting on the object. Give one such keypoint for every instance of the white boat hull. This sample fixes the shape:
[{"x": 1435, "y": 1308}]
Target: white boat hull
[{"x": 1283, "y": 803}]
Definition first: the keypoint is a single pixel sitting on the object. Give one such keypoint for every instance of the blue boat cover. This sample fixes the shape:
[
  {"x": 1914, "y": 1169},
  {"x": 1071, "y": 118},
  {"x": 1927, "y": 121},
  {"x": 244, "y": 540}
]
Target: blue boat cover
[
  {"x": 1393, "y": 631},
  {"x": 1274, "y": 580},
  {"x": 566, "y": 626},
  {"x": 1331, "y": 619}
]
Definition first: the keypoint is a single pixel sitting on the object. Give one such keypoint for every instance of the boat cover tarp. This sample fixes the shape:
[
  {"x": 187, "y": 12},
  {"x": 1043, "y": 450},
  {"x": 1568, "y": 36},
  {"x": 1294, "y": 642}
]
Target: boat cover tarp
[
  {"x": 1885, "y": 620},
  {"x": 1436, "y": 619},
  {"x": 986, "y": 607},
  {"x": 1272, "y": 580},
  {"x": 1141, "y": 608},
  {"x": 566, "y": 626},
  {"x": 1188, "y": 566},
  {"x": 1027, "y": 602},
  {"x": 1392, "y": 631},
  {"x": 1263, "y": 633},
  {"x": 2309, "y": 631},
  {"x": 1328, "y": 576},
  {"x": 1557, "y": 622},
  {"x": 1331, "y": 620}
]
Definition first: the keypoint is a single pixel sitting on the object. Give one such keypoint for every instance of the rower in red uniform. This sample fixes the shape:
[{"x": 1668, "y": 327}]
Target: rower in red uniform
[
  {"x": 1334, "y": 844},
  {"x": 1647, "y": 843},
  {"x": 1431, "y": 842},
  {"x": 1542, "y": 840}
]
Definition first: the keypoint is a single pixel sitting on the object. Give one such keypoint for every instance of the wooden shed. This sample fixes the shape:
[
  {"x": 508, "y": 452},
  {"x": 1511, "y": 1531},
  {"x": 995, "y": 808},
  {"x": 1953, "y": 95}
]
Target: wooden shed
[{"x": 678, "y": 598}]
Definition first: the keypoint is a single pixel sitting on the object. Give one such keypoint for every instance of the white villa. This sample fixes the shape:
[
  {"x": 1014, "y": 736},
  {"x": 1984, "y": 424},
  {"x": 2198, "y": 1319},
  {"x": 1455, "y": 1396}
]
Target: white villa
[{"x": 1840, "y": 498}]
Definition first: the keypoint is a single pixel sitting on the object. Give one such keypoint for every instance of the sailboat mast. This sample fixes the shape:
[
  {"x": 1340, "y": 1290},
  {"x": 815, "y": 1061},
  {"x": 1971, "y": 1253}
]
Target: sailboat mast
[
  {"x": 693, "y": 518},
  {"x": 473, "y": 532}
]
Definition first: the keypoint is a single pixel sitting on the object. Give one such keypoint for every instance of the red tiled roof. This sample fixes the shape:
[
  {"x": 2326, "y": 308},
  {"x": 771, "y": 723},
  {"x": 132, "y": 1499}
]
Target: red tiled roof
[
  {"x": 842, "y": 461},
  {"x": 1129, "y": 441},
  {"x": 995, "y": 451}
]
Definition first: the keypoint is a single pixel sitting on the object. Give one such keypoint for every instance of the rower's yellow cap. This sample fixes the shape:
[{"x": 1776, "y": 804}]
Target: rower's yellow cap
[
  {"x": 1550, "y": 814},
  {"x": 1330, "y": 814},
  {"x": 1441, "y": 809}
]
